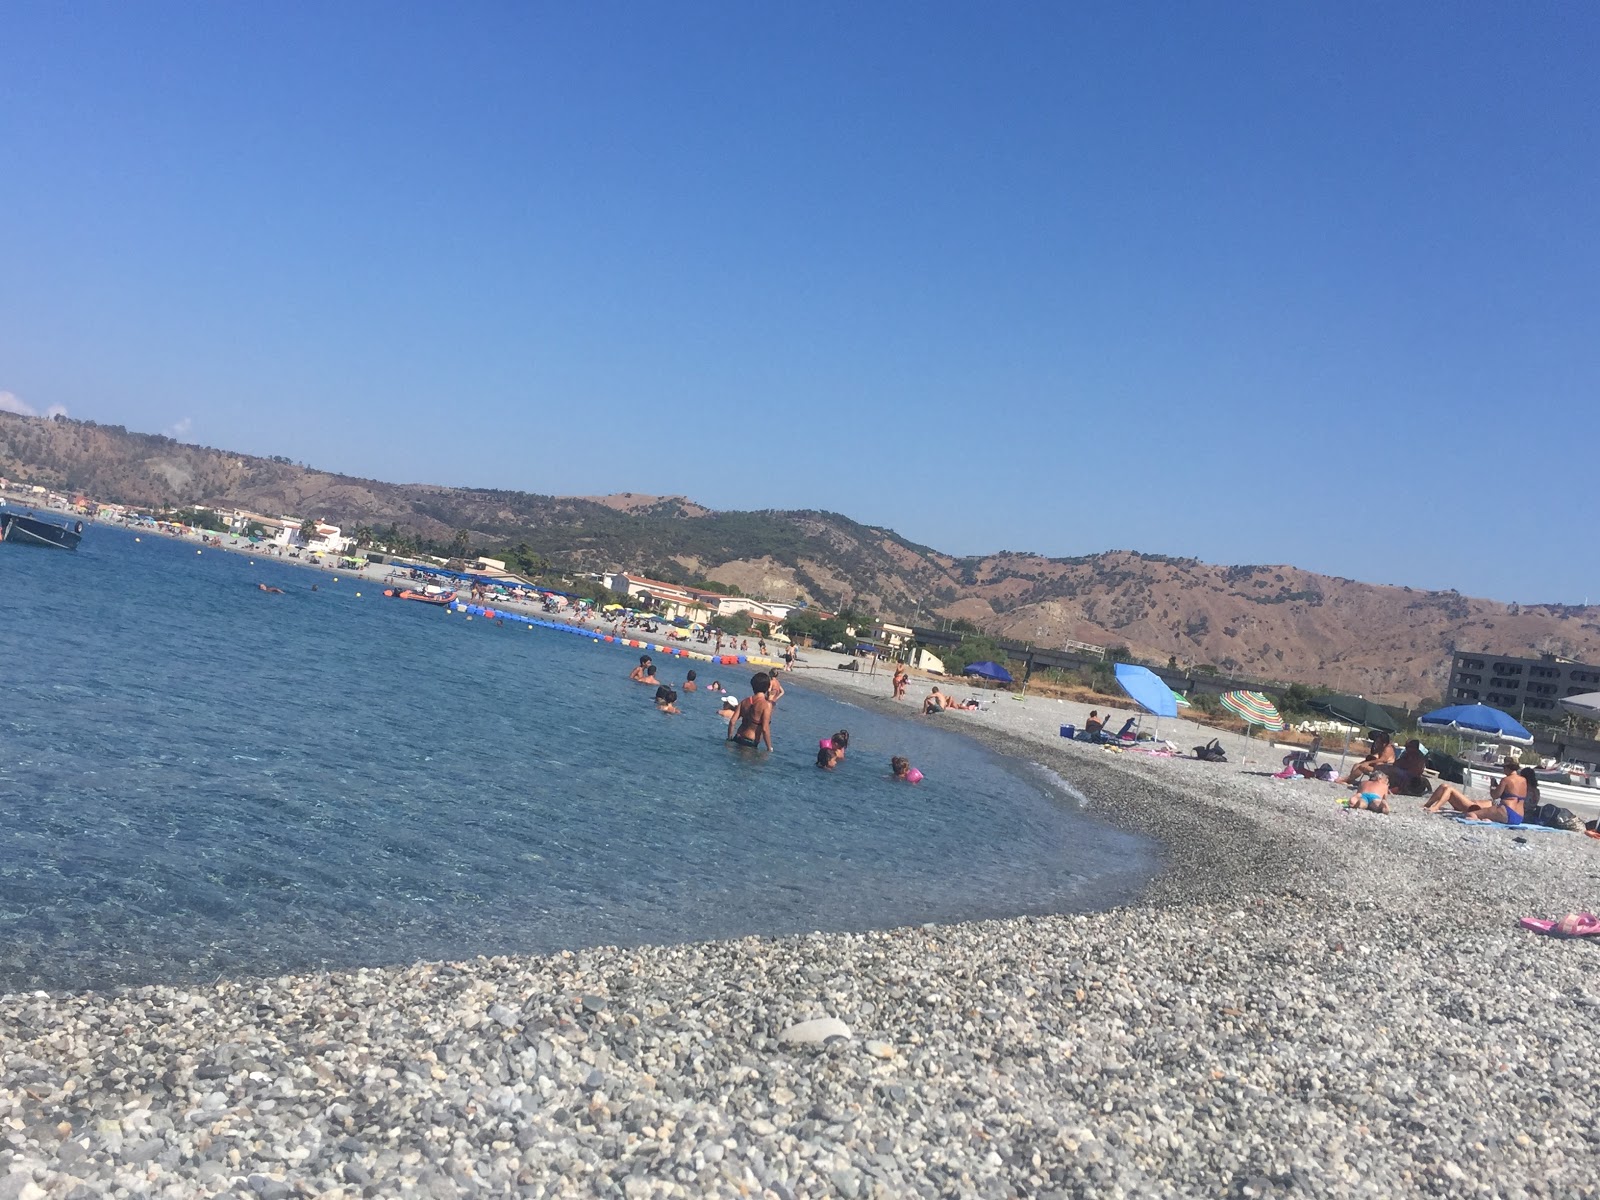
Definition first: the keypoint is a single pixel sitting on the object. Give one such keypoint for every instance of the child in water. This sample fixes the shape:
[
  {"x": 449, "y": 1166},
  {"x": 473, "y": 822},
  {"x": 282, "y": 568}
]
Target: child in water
[
  {"x": 904, "y": 772},
  {"x": 830, "y": 751}
]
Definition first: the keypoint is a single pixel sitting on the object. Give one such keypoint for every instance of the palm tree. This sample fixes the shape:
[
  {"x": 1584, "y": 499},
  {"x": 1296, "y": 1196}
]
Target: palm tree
[
  {"x": 308, "y": 531},
  {"x": 365, "y": 536},
  {"x": 461, "y": 544}
]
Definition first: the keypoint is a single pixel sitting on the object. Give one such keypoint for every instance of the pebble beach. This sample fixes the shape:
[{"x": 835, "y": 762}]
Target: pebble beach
[{"x": 1306, "y": 1002}]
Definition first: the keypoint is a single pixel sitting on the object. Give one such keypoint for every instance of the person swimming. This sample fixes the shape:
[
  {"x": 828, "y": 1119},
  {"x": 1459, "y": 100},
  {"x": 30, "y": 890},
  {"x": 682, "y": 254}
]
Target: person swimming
[
  {"x": 667, "y": 700},
  {"x": 830, "y": 751},
  {"x": 903, "y": 771},
  {"x": 753, "y": 717},
  {"x": 276, "y": 591},
  {"x": 689, "y": 685}
]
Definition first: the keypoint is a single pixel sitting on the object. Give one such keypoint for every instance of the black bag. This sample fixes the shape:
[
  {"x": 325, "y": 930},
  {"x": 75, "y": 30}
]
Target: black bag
[
  {"x": 1212, "y": 751},
  {"x": 1553, "y": 816}
]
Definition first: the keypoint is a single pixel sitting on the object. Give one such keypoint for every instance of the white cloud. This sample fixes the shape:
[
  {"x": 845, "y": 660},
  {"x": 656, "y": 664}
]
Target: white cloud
[
  {"x": 180, "y": 429},
  {"x": 12, "y": 403}
]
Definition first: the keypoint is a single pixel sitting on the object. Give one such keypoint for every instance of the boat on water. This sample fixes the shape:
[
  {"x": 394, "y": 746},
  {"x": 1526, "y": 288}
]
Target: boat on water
[
  {"x": 26, "y": 529},
  {"x": 440, "y": 599}
]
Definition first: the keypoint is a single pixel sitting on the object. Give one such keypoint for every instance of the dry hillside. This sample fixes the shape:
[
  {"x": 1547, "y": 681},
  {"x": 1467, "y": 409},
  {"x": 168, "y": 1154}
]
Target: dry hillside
[{"x": 1275, "y": 622}]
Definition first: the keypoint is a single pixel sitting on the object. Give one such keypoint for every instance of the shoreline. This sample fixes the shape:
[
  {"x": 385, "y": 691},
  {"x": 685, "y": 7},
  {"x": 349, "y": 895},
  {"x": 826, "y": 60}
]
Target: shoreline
[{"x": 1305, "y": 1001}]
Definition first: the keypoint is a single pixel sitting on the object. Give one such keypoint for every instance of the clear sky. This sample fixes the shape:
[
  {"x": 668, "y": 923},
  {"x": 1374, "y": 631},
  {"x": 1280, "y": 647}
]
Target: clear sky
[{"x": 1254, "y": 283}]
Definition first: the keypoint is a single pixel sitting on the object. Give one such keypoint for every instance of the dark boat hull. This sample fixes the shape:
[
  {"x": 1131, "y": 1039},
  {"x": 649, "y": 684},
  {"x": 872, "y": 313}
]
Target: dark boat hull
[{"x": 31, "y": 531}]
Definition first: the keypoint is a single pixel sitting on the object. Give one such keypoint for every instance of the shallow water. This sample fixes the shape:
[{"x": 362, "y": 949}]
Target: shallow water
[{"x": 199, "y": 778}]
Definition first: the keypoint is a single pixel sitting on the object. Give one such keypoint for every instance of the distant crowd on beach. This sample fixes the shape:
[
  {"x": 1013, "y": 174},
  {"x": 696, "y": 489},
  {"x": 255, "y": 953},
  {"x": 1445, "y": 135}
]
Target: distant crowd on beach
[
  {"x": 749, "y": 721},
  {"x": 1384, "y": 775}
]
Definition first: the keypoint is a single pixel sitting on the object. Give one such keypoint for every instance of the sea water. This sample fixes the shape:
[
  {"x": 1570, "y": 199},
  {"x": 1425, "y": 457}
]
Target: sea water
[{"x": 198, "y": 778}]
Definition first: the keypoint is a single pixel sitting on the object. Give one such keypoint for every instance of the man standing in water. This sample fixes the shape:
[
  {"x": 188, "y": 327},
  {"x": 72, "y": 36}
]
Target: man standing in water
[{"x": 753, "y": 717}]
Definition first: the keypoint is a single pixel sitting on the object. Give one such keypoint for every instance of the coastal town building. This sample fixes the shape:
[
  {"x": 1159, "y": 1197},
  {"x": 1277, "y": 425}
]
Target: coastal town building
[
  {"x": 1519, "y": 685},
  {"x": 697, "y": 604}
]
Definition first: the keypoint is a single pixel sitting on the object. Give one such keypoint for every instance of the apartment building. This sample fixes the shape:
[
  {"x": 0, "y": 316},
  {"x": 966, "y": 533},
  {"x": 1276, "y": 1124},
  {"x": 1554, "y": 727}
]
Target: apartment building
[{"x": 1519, "y": 686}]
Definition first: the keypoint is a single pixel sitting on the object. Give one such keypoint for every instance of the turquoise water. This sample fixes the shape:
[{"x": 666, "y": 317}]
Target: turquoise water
[{"x": 197, "y": 778}]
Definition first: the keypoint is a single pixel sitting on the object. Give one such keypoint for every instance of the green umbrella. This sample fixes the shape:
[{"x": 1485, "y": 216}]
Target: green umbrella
[{"x": 1356, "y": 710}]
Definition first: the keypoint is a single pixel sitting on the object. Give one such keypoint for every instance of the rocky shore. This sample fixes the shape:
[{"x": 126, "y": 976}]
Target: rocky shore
[{"x": 1308, "y": 1002}]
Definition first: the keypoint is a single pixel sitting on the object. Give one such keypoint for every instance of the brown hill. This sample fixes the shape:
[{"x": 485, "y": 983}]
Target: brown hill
[{"x": 1272, "y": 622}]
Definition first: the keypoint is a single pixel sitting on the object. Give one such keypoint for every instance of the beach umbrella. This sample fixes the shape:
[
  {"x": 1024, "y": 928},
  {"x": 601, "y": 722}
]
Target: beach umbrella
[
  {"x": 1147, "y": 690},
  {"x": 1357, "y": 711},
  {"x": 1183, "y": 701},
  {"x": 1478, "y": 718},
  {"x": 988, "y": 670},
  {"x": 1255, "y": 708}
]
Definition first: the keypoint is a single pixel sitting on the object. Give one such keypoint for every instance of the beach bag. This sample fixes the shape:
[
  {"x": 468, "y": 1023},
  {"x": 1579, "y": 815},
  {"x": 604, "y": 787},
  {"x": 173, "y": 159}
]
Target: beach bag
[
  {"x": 1212, "y": 751},
  {"x": 1553, "y": 816},
  {"x": 1327, "y": 772}
]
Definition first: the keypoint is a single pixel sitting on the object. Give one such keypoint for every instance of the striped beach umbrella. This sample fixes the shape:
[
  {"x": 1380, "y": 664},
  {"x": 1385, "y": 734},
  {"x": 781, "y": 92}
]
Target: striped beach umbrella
[{"x": 1255, "y": 708}]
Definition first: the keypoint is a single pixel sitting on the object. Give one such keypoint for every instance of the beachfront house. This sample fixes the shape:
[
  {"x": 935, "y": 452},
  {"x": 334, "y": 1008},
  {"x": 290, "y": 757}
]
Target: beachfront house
[{"x": 328, "y": 540}]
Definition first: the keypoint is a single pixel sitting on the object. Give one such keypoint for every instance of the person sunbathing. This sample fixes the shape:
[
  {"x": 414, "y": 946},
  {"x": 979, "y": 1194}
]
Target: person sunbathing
[
  {"x": 1372, "y": 792},
  {"x": 934, "y": 703},
  {"x": 1408, "y": 776},
  {"x": 1381, "y": 755},
  {"x": 1510, "y": 797}
]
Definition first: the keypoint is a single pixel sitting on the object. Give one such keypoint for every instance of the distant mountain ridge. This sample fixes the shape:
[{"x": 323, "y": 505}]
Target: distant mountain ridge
[{"x": 1274, "y": 622}]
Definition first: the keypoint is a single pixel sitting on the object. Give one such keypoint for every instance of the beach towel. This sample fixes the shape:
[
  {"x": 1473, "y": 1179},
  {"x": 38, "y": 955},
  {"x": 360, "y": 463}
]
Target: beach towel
[
  {"x": 1525, "y": 827},
  {"x": 1572, "y": 925}
]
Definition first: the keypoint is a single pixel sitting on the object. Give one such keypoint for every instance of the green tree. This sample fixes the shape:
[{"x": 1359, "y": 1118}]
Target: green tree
[
  {"x": 461, "y": 544},
  {"x": 823, "y": 631},
  {"x": 364, "y": 536},
  {"x": 733, "y": 624},
  {"x": 308, "y": 530}
]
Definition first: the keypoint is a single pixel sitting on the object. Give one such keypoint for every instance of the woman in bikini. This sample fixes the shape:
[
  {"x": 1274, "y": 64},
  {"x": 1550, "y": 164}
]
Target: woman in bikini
[
  {"x": 1510, "y": 797},
  {"x": 750, "y": 725}
]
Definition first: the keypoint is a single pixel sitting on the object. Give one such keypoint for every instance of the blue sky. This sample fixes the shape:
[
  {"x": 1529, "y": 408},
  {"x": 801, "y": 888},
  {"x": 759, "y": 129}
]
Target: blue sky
[{"x": 1046, "y": 277}]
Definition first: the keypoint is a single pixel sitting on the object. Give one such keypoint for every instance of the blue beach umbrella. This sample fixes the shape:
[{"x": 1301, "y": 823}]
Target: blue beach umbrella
[
  {"x": 1478, "y": 718},
  {"x": 1145, "y": 686},
  {"x": 989, "y": 670}
]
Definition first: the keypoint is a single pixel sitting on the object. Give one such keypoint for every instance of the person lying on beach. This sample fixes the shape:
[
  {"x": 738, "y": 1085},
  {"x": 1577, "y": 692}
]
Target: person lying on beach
[
  {"x": 1372, "y": 792},
  {"x": 1511, "y": 797},
  {"x": 667, "y": 700},
  {"x": 689, "y": 685},
  {"x": 902, "y": 770},
  {"x": 830, "y": 751},
  {"x": 1381, "y": 755},
  {"x": 753, "y": 717},
  {"x": 265, "y": 588}
]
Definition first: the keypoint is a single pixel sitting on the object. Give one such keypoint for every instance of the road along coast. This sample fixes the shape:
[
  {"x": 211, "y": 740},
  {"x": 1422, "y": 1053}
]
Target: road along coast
[{"x": 1308, "y": 1002}]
